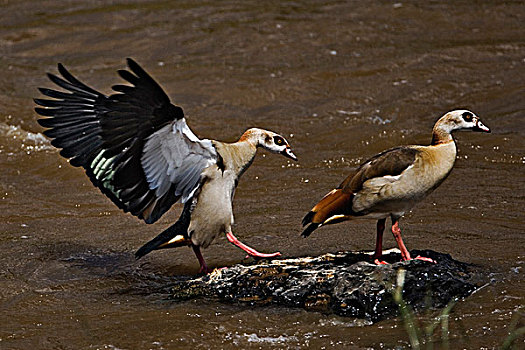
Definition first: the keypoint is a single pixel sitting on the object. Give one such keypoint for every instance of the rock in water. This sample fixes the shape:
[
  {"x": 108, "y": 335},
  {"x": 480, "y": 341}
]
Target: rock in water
[{"x": 345, "y": 283}]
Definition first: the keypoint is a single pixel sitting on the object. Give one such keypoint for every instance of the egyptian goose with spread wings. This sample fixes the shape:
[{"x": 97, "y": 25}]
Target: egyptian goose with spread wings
[
  {"x": 136, "y": 147},
  {"x": 392, "y": 182}
]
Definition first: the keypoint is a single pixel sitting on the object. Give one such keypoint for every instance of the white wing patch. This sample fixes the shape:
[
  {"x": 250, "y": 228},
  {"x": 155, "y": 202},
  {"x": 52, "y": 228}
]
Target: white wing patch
[
  {"x": 384, "y": 188},
  {"x": 174, "y": 155}
]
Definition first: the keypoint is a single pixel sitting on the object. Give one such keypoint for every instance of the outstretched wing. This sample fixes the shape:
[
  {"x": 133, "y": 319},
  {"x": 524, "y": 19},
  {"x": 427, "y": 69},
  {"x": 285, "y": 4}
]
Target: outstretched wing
[{"x": 134, "y": 145}]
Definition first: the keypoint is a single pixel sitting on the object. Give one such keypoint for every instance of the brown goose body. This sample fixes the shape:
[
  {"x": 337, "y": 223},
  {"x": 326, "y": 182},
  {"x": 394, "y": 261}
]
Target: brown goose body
[{"x": 394, "y": 181}]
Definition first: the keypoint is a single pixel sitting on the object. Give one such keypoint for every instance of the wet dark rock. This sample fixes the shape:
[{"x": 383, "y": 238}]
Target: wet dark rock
[{"x": 346, "y": 283}]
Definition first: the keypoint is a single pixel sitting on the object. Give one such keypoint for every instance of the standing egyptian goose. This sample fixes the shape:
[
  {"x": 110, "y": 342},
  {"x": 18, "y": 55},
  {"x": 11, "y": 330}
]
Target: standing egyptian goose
[
  {"x": 392, "y": 182},
  {"x": 136, "y": 147}
]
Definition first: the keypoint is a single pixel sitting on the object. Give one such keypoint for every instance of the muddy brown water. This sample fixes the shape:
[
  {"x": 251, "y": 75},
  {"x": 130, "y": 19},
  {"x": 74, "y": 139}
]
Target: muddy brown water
[{"x": 341, "y": 80}]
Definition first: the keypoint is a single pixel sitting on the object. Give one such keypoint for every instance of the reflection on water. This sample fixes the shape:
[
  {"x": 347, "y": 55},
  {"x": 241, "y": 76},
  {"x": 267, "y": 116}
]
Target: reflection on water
[{"x": 342, "y": 80}]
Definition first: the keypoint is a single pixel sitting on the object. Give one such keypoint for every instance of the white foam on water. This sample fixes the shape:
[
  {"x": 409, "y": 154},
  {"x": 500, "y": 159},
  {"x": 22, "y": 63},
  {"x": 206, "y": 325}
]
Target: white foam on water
[
  {"x": 254, "y": 338},
  {"x": 16, "y": 137}
]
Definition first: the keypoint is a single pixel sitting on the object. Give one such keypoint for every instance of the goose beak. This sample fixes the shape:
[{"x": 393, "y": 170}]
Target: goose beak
[
  {"x": 480, "y": 127},
  {"x": 287, "y": 152}
]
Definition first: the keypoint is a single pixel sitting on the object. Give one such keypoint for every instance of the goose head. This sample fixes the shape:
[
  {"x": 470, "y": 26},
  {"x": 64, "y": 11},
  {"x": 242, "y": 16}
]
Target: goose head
[
  {"x": 461, "y": 119},
  {"x": 269, "y": 140}
]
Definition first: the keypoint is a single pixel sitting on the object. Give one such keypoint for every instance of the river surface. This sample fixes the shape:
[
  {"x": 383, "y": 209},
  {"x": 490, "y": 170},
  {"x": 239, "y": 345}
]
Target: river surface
[{"x": 342, "y": 80}]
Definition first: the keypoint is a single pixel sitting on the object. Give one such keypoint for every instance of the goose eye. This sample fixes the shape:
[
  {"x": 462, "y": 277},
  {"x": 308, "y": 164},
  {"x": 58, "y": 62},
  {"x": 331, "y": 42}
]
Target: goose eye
[
  {"x": 279, "y": 141},
  {"x": 467, "y": 116}
]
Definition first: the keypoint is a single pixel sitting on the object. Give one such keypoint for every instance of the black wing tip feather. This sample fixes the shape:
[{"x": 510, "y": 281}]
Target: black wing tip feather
[
  {"x": 309, "y": 230},
  {"x": 144, "y": 250},
  {"x": 134, "y": 66},
  {"x": 150, "y": 246},
  {"x": 45, "y": 112},
  {"x": 68, "y": 76},
  {"x": 179, "y": 227},
  {"x": 41, "y": 101},
  {"x": 44, "y": 122},
  {"x": 137, "y": 69},
  {"x": 61, "y": 68},
  {"x": 308, "y": 218}
]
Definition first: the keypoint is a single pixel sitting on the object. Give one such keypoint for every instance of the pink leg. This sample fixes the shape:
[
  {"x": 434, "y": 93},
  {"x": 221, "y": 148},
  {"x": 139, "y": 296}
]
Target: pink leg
[
  {"x": 204, "y": 268},
  {"x": 379, "y": 243},
  {"x": 396, "y": 231},
  {"x": 249, "y": 250}
]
